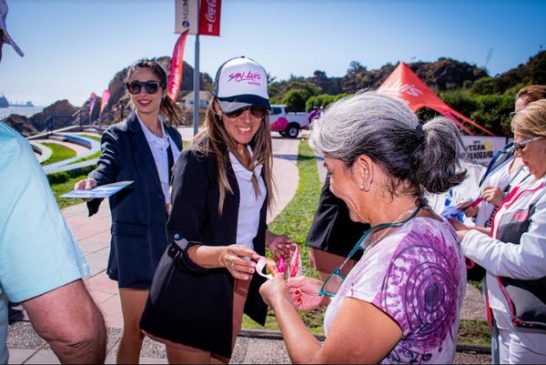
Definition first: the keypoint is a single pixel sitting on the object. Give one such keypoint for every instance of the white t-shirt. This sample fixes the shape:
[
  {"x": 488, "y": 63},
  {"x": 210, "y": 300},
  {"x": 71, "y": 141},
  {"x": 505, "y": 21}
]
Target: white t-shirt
[
  {"x": 159, "y": 147},
  {"x": 250, "y": 203},
  {"x": 417, "y": 276}
]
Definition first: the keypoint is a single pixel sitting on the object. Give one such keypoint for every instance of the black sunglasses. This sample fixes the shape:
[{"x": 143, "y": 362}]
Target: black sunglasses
[
  {"x": 256, "y": 112},
  {"x": 135, "y": 87}
]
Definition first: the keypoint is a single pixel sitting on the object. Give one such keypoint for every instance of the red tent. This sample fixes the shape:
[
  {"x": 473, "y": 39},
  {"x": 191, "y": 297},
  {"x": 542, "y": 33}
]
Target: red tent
[{"x": 404, "y": 84}]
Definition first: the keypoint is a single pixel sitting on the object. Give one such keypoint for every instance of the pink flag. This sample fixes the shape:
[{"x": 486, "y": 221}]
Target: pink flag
[
  {"x": 105, "y": 98},
  {"x": 209, "y": 17},
  {"x": 92, "y": 101},
  {"x": 177, "y": 64}
]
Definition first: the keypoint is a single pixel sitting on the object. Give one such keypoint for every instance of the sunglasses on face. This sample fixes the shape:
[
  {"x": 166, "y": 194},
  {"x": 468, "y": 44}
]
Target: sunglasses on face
[
  {"x": 256, "y": 112},
  {"x": 135, "y": 87},
  {"x": 519, "y": 146}
]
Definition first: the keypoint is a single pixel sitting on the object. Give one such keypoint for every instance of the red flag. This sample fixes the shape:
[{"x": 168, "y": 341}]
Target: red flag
[
  {"x": 105, "y": 98},
  {"x": 92, "y": 101},
  {"x": 209, "y": 17},
  {"x": 177, "y": 64}
]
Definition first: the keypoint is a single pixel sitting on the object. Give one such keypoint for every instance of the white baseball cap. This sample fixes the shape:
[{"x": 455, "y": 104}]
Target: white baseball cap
[
  {"x": 241, "y": 82},
  {"x": 3, "y": 28}
]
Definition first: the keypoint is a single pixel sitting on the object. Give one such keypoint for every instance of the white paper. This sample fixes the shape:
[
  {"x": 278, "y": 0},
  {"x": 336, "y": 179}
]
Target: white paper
[{"x": 103, "y": 191}]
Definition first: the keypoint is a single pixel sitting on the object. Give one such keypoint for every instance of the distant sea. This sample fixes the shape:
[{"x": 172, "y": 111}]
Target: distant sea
[{"x": 27, "y": 111}]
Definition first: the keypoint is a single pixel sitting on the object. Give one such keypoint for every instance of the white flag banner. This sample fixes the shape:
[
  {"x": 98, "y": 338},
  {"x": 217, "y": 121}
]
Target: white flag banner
[{"x": 186, "y": 16}]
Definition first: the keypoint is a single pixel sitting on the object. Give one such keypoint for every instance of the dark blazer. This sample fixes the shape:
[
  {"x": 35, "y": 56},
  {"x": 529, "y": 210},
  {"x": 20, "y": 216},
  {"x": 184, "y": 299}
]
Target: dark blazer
[
  {"x": 138, "y": 212},
  {"x": 189, "y": 304}
]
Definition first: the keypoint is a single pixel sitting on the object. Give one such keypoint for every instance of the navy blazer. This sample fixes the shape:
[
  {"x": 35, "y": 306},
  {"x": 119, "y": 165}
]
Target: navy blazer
[
  {"x": 189, "y": 304},
  {"x": 138, "y": 211}
]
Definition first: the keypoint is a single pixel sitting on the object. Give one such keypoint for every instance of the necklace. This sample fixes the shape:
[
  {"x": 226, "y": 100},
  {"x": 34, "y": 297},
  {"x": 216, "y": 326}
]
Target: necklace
[
  {"x": 373, "y": 229},
  {"x": 397, "y": 223}
]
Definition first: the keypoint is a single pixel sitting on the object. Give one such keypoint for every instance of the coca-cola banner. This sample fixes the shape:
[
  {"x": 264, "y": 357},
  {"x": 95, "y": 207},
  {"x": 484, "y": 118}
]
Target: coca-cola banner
[
  {"x": 186, "y": 16},
  {"x": 209, "y": 17}
]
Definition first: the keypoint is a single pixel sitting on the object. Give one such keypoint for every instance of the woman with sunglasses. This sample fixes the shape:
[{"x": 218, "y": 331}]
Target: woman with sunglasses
[
  {"x": 401, "y": 301},
  {"x": 217, "y": 228},
  {"x": 142, "y": 149},
  {"x": 513, "y": 251},
  {"x": 506, "y": 170}
]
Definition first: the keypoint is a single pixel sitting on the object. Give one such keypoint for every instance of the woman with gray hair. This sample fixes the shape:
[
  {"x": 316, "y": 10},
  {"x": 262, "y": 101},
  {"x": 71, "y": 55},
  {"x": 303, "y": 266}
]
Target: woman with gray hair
[{"x": 401, "y": 301}]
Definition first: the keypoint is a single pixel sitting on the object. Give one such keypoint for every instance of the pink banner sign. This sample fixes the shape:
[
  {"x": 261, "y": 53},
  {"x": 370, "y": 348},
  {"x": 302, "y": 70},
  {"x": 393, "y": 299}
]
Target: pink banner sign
[
  {"x": 104, "y": 102},
  {"x": 92, "y": 101},
  {"x": 177, "y": 64}
]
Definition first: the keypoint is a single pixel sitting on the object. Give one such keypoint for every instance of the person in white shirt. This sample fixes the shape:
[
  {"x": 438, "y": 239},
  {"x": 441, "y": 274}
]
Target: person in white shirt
[{"x": 512, "y": 251}]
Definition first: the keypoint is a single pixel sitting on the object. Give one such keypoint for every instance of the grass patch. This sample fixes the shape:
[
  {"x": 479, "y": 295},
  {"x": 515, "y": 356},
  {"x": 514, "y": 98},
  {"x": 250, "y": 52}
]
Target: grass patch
[
  {"x": 295, "y": 221},
  {"x": 58, "y": 153},
  {"x": 474, "y": 333},
  {"x": 92, "y": 136},
  {"x": 65, "y": 187}
]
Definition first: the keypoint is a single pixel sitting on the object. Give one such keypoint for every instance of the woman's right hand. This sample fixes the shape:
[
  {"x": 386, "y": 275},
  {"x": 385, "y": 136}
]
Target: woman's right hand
[
  {"x": 86, "y": 184},
  {"x": 240, "y": 261},
  {"x": 304, "y": 293}
]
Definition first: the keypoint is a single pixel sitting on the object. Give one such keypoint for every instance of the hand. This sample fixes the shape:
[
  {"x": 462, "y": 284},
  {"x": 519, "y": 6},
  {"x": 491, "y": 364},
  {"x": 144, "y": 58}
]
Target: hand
[
  {"x": 459, "y": 227},
  {"x": 280, "y": 245},
  {"x": 493, "y": 195},
  {"x": 304, "y": 293},
  {"x": 471, "y": 211},
  {"x": 86, "y": 184},
  {"x": 239, "y": 260},
  {"x": 274, "y": 289}
]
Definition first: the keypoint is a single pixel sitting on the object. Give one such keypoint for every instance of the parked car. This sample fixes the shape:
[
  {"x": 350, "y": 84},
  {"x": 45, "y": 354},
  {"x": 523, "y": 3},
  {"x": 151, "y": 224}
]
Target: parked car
[{"x": 287, "y": 124}]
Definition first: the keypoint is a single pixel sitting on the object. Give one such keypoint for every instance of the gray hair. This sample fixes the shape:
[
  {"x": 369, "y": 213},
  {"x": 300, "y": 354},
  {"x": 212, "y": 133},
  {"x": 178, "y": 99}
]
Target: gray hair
[{"x": 385, "y": 129}]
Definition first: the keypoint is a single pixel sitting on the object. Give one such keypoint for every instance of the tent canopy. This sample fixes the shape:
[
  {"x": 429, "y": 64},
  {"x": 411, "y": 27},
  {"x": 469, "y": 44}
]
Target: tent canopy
[{"x": 404, "y": 84}]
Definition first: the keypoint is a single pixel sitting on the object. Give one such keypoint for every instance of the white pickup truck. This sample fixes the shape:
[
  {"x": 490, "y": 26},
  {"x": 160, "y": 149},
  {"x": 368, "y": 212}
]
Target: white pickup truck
[{"x": 287, "y": 124}]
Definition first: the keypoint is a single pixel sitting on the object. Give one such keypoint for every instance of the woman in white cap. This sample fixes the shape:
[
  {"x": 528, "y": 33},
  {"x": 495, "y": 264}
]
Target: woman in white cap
[{"x": 217, "y": 228}]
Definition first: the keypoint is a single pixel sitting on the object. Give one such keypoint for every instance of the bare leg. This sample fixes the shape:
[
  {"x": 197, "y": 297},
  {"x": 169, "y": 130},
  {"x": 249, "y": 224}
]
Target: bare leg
[
  {"x": 191, "y": 356},
  {"x": 132, "y": 306}
]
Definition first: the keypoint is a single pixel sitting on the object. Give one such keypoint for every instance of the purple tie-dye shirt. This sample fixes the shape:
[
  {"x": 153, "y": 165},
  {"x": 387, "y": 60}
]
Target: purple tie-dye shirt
[{"x": 417, "y": 276}]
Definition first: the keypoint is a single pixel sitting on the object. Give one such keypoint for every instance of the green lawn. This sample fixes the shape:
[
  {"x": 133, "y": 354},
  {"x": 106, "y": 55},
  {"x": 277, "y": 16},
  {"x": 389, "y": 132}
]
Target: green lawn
[
  {"x": 58, "y": 153},
  {"x": 294, "y": 221},
  {"x": 65, "y": 187}
]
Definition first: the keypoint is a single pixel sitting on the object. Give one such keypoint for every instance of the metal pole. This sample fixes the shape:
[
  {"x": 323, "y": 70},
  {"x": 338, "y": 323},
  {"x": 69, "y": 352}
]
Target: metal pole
[
  {"x": 196, "y": 88},
  {"x": 196, "y": 79}
]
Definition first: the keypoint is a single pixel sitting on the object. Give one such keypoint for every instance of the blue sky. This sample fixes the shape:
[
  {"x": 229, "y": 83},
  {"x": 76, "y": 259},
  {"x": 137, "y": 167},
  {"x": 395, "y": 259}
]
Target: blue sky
[{"x": 74, "y": 47}]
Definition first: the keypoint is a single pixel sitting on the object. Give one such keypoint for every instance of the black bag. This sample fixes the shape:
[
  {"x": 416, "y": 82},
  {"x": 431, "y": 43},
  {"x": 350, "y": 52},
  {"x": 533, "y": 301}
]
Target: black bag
[{"x": 473, "y": 270}]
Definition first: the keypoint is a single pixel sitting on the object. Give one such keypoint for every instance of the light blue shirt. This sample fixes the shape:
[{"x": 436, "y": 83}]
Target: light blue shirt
[{"x": 38, "y": 252}]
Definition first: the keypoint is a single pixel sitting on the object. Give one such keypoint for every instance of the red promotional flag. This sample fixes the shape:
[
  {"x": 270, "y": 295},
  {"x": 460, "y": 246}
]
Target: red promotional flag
[
  {"x": 105, "y": 98},
  {"x": 92, "y": 101},
  {"x": 209, "y": 17},
  {"x": 404, "y": 84},
  {"x": 177, "y": 64}
]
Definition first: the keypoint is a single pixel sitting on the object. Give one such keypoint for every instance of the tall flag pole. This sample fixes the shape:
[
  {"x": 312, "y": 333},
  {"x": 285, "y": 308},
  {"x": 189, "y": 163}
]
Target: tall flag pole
[{"x": 197, "y": 17}]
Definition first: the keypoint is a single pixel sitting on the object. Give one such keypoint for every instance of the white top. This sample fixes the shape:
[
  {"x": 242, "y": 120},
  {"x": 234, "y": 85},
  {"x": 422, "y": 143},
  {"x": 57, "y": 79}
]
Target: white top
[
  {"x": 159, "y": 146},
  {"x": 523, "y": 261},
  {"x": 501, "y": 178},
  {"x": 250, "y": 204}
]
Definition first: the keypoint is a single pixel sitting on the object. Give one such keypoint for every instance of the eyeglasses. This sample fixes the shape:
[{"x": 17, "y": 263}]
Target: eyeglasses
[
  {"x": 256, "y": 112},
  {"x": 135, "y": 87},
  {"x": 519, "y": 146},
  {"x": 335, "y": 279}
]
